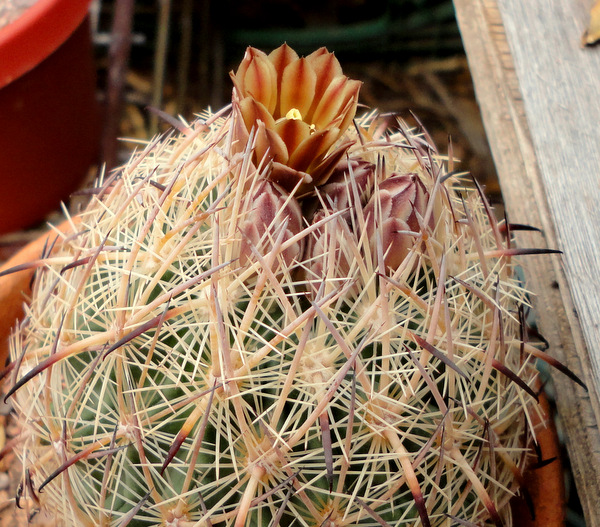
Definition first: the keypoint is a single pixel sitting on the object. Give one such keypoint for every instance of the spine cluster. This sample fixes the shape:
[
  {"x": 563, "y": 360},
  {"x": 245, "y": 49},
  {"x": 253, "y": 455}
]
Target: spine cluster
[{"x": 218, "y": 344}]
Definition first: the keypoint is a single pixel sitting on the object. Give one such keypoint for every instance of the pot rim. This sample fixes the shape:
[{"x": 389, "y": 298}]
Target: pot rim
[{"x": 37, "y": 33}]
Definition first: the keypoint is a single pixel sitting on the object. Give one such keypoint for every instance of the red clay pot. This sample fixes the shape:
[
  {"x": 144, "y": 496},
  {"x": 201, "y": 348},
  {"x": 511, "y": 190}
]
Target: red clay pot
[
  {"x": 49, "y": 116},
  {"x": 544, "y": 484},
  {"x": 15, "y": 287}
]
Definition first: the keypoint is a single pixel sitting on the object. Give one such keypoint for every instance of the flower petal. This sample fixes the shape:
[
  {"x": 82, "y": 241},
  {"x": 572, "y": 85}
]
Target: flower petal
[
  {"x": 253, "y": 111},
  {"x": 334, "y": 99},
  {"x": 293, "y": 132},
  {"x": 327, "y": 68},
  {"x": 269, "y": 146},
  {"x": 288, "y": 178},
  {"x": 281, "y": 57},
  {"x": 312, "y": 149},
  {"x": 250, "y": 56},
  {"x": 260, "y": 79},
  {"x": 321, "y": 170},
  {"x": 318, "y": 53},
  {"x": 348, "y": 110},
  {"x": 297, "y": 87},
  {"x": 238, "y": 76}
]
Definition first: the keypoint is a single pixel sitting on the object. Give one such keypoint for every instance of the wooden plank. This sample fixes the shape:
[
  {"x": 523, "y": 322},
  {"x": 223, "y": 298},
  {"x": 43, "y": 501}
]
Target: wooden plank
[
  {"x": 540, "y": 98},
  {"x": 560, "y": 83}
]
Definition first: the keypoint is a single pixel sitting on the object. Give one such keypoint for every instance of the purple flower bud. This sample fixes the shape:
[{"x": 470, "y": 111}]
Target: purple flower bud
[
  {"x": 338, "y": 192},
  {"x": 326, "y": 252},
  {"x": 270, "y": 209},
  {"x": 395, "y": 214}
]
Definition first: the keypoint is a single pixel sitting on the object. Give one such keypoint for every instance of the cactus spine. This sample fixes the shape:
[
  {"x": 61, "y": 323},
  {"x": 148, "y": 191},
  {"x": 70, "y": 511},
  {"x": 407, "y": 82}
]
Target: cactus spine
[{"x": 231, "y": 339}]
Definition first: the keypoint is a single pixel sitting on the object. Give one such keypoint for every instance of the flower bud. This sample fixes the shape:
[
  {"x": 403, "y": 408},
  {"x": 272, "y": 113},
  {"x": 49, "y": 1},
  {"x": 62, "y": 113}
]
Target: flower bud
[
  {"x": 326, "y": 255},
  {"x": 395, "y": 214},
  {"x": 348, "y": 175},
  {"x": 269, "y": 209}
]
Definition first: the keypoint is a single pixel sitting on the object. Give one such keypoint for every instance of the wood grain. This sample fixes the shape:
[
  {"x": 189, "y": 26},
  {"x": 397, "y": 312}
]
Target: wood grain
[
  {"x": 539, "y": 94},
  {"x": 560, "y": 83}
]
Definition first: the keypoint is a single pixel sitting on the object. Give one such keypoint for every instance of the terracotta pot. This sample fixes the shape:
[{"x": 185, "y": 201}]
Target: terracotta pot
[
  {"x": 15, "y": 287},
  {"x": 49, "y": 117},
  {"x": 545, "y": 485}
]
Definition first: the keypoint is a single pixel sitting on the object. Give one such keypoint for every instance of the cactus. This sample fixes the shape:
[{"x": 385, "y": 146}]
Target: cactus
[{"x": 230, "y": 339}]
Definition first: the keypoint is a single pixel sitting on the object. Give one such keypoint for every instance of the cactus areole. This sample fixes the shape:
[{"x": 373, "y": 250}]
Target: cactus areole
[{"x": 279, "y": 314}]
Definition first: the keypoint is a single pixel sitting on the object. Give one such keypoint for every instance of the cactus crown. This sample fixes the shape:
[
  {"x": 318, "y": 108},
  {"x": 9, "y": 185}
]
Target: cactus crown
[{"x": 214, "y": 345}]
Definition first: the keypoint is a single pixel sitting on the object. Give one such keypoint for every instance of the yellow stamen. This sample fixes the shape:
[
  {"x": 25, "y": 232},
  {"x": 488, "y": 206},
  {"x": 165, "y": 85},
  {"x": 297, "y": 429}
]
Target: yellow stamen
[{"x": 294, "y": 114}]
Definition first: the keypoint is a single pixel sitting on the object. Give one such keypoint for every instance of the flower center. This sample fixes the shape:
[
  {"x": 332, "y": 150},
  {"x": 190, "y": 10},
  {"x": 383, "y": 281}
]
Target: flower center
[{"x": 294, "y": 114}]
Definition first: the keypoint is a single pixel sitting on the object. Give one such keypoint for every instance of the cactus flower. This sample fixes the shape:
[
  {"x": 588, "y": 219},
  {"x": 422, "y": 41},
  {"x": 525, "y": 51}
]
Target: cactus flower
[{"x": 299, "y": 108}]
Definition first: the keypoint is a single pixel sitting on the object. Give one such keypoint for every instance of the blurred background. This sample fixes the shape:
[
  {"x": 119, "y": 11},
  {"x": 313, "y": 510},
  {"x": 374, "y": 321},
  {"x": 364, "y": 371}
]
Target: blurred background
[{"x": 408, "y": 53}]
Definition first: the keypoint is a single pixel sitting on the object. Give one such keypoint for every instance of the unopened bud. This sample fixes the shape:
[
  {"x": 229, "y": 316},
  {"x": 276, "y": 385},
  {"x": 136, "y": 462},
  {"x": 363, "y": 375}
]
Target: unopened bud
[
  {"x": 348, "y": 177},
  {"x": 396, "y": 211},
  {"x": 269, "y": 210},
  {"x": 327, "y": 256}
]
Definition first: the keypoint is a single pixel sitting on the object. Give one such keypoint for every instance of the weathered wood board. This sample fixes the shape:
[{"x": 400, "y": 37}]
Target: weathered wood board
[{"x": 539, "y": 93}]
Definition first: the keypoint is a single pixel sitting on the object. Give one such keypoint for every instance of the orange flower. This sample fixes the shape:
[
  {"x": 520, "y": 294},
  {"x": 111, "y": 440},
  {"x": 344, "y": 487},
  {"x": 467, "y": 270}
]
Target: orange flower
[{"x": 298, "y": 109}]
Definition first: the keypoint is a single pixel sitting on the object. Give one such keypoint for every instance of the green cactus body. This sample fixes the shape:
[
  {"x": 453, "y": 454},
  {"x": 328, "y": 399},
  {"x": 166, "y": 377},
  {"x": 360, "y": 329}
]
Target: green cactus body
[{"x": 176, "y": 368}]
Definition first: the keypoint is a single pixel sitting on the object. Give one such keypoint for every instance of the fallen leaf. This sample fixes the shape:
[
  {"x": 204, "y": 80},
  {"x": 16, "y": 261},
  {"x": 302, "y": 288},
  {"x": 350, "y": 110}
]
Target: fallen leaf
[{"x": 592, "y": 33}]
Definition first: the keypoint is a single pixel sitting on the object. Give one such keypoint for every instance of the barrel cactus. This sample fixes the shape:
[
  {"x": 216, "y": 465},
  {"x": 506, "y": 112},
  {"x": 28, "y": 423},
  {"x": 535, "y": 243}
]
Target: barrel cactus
[{"x": 278, "y": 314}]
